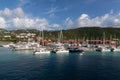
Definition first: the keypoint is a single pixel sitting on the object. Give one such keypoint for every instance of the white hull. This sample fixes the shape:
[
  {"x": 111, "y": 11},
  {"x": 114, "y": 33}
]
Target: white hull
[
  {"x": 5, "y": 46},
  {"x": 25, "y": 46},
  {"x": 106, "y": 50},
  {"x": 64, "y": 51},
  {"x": 44, "y": 52},
  {"x": 8, "y": 45},
  {"x": 116, "y": 50}
]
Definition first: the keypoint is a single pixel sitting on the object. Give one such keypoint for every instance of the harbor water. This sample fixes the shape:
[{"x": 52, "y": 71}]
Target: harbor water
[{"x": 23, "y": 65}]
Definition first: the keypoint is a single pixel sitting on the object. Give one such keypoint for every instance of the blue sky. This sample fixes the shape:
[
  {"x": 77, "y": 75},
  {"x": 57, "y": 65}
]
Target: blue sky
[{"x": 56, "y": 14}]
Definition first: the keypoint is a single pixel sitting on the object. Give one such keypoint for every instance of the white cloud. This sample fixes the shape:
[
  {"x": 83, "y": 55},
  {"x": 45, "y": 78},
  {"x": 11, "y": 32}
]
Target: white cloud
[
  {"x": 53, "y": 10},
  {"x": 84, "y": 16},
  {"x": 18, "y": 12},
  {"x": 7, "y": 13},
  {"x": 16, "y": 19},
  {"x": 114, "y": 21},
  {"x": 2, "y": 23},
  {"x": 69, "y": 23},
  {"x": 85, "y": 21},
  {"x": 28, "y": 23},
  {"x": 55, "y": 25}
]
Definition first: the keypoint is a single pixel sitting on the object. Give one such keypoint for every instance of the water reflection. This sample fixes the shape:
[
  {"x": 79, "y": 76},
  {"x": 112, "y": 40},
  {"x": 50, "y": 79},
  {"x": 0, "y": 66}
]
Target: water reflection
[
  {"x": 106, "y": 53},
  {"x": 22, "y": 52},
  {"x": 41, "y": 55},
  {"x": 63, "y": 66}
]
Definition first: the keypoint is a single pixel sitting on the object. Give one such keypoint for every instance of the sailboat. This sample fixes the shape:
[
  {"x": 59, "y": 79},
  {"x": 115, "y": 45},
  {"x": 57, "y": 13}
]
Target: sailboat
[
  {"x": 116, "y": 48},
  {"x": 103, "y": 47},
  {"x": 42, "y": 49},
  {"x": 60, "y": 47}
]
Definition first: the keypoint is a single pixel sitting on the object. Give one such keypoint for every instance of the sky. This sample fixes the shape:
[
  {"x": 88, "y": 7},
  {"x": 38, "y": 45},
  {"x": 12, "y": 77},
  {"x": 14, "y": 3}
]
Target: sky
[{"x": 58, "y": 14}]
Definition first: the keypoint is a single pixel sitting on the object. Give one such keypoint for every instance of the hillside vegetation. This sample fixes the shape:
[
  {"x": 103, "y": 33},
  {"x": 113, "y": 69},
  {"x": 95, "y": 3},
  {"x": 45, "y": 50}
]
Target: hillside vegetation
[{"x": 78, "y": 33}]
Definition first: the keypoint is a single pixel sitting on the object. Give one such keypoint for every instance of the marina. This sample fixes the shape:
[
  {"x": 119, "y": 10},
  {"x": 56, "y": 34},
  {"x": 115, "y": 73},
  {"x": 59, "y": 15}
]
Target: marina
[
  {"x": 45, "y": 59},
  {"x": 59, "y": 39},
  {"x": 57, "y": 49}
]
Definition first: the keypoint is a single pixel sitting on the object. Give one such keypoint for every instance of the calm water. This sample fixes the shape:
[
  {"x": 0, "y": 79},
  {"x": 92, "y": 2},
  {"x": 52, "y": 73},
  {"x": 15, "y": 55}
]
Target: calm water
[{"x": 16, "y": 65}]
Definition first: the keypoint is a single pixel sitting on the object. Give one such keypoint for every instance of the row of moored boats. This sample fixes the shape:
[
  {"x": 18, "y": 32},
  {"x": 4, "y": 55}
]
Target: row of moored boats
[{"x": 60, "y": 48}]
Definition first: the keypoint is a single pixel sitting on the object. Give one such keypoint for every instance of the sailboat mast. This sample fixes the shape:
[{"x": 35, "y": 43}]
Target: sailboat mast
[
  {"x": 61, "y": 36},
  {"x": 43, "y": 37},
  {"x": 104, "y": 38}
]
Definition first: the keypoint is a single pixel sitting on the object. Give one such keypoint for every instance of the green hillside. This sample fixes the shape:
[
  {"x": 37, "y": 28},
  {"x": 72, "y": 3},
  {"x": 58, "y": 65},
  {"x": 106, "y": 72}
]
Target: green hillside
[
  {"x": 78, "y": 33},
  {"x": 91, "y": 33}
]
